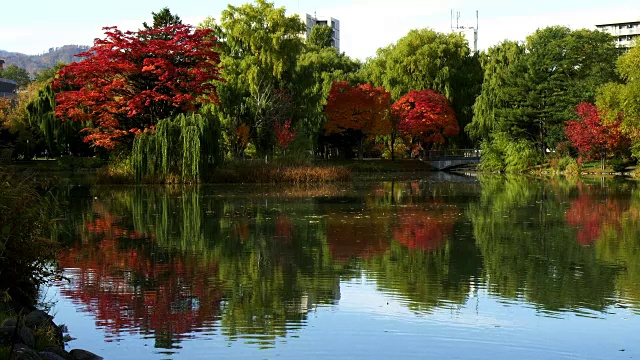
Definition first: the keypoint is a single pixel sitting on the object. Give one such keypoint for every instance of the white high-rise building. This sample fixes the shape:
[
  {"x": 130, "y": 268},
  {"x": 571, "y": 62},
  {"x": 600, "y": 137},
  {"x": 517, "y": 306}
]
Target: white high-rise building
[
  {"x": 626, "y": 33},
  {"x": 312, "y": 21}
]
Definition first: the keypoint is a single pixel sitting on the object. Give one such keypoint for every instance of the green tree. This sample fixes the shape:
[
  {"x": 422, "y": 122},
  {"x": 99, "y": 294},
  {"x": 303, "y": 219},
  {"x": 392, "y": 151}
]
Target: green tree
[
  {"x": 259, "y": 47},
  {"x": 616, "y": 99},
  {"x": 495, "y": 65},
  {"x": 318, "y": 68},
  {"x": 530, "y": 92},
  {"x": 47, "y": 74},
  {"x": 163, "y": 18},
  {"x": 425, "y": 59},
  {"x": 27, "y": 138},
  {"x": 186, "y": 146},
  {"x": 321, "y": 36},
  {"x": 60, "y": 137},
  {"x": 17, "y": 74}
]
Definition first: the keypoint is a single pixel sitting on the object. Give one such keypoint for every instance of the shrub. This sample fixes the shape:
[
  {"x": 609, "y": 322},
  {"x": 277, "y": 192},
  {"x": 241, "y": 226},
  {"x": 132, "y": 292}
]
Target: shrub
[
  {"x": 118, "y": 171},
  {"x": 521, "y": 156},
  {"x": 618, "y": 165},
  {"x": 25, "y": 251},
  {"x": 492, "y": 158},
  {"x": 564, "y": 162},
  {"x": 400, "y": 150},
  {"x": 572, "y": 169},
  {"x": 503, "y": 153}
]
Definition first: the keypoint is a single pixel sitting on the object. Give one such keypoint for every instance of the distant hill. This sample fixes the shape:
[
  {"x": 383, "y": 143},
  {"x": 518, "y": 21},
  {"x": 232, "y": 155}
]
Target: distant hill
[{"x": 35, "y": 63}]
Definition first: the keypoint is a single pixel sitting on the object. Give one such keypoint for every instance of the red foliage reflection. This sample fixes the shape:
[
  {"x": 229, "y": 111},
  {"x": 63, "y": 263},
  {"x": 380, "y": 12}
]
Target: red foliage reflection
[
  {"x": 590, "y": 216},
  {"x": 133, "y": 284},
  {"x": 425, "y": 229},
  {"x": 284, "y": 228}
]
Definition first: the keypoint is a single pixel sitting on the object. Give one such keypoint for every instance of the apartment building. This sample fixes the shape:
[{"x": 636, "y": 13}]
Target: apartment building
[{"x": 626, "y": 33}]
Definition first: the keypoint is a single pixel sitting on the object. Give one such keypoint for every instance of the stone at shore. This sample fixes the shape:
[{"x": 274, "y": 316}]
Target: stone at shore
[
  {"x": 60, "y": 352},
  {"x": 79, "y": 354},
  {"x": 23, "y": 335},
  {"x": 25, "y": 343},
  {"x": 22, "y": 352},
  {"x": 38, "y": 319},
  {"x": 10, "y": 322},
  {"x": 45, "y": 355}
]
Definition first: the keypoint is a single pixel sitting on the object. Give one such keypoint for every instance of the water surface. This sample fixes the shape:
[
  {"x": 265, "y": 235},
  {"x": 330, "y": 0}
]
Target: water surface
[{"x": 490, "y": 268}]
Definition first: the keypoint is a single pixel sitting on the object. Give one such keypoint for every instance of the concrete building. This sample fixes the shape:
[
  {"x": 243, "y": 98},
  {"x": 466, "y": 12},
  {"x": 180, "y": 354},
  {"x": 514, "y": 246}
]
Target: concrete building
[
  {"x": 626, "y": 33},
  {"x": 312, "y": 21},
  {"x": 7, "y": 87}
]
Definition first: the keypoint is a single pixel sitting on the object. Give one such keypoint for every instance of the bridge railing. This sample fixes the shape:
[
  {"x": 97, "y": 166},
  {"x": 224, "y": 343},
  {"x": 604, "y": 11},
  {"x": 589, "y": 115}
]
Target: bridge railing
[{"x": 455, "y": 153}]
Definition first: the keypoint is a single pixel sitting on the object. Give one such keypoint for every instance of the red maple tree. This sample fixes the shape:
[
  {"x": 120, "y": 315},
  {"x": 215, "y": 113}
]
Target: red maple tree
[
  {"x": 129, "y": 81},
  {"x": 361, "y": 110},
  {"x": 592, "y": 136},
  {"x": 285, "y": 134},
  {"x": 426, "y": 116}
]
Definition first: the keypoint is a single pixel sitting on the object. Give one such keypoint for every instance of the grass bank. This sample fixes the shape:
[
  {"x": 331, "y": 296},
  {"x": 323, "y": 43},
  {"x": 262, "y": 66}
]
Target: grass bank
[
  {"x": 247, "y": 171},
  {"x": 588, "y": 169}
]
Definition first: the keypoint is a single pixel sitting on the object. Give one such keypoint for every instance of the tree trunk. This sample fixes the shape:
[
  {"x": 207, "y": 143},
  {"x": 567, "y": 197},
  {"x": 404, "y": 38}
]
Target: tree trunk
[
  {"x": 603, "y": 160},
  {"x": 360, "y": 145},
  {"x": 393, "y": 143}
]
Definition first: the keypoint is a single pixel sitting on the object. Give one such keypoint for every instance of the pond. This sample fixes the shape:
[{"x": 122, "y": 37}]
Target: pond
[{"x": 441, "y": 267}]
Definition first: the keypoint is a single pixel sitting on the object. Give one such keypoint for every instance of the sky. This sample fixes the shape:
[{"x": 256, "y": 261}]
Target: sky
[{"x": 34, "y": 26}]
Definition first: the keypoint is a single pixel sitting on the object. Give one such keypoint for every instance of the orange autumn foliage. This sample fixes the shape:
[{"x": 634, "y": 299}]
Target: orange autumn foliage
[{"x": 361, "y": 108}]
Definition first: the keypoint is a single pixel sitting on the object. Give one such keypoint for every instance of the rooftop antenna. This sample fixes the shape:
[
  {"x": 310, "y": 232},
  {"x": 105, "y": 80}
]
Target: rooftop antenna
[{"x": 458, "y": 28}]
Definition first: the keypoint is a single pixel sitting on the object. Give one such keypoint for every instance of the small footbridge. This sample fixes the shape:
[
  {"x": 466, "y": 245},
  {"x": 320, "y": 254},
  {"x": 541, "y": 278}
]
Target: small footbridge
[{"x": 442, "y": 160}]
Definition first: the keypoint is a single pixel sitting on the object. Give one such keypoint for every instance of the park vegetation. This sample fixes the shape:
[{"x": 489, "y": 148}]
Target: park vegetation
[{"x": 176, "y": 103}]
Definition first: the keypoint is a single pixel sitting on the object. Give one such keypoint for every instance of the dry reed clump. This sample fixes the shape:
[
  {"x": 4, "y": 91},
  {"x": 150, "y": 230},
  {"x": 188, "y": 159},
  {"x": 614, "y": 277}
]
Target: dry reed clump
[
  {"x": 298, "y": 175},
  {"x": 273, "y": 174},
  {"x": 119, "y": 173}
]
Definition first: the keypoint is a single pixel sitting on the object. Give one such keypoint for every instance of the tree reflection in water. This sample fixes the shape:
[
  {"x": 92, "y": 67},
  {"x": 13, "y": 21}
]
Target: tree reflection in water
[
  {"x": 170, "y": 264},
  {"x": 252, "y": 264}
]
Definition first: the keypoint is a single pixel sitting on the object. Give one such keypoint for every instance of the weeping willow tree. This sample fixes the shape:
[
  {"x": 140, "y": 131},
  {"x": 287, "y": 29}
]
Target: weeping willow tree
[
  {"x": 59, "y": 136},
  {"x": 184, "y": 145}
]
